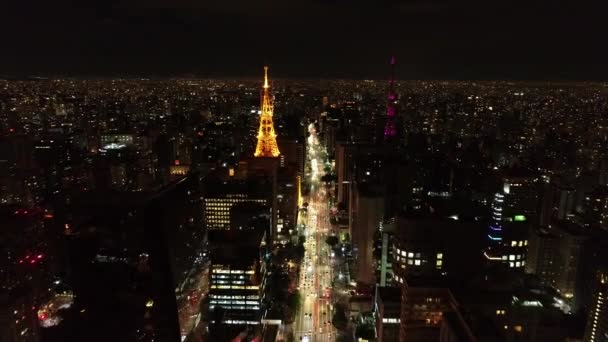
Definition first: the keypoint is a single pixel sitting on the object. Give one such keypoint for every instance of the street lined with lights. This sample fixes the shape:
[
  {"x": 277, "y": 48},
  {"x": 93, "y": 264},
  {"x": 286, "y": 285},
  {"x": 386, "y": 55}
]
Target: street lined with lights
[{"x": 313, "y": 321}]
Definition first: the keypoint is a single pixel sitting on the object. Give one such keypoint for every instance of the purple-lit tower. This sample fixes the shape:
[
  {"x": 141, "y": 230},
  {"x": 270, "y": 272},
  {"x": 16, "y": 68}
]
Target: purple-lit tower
[{"x": 389, "y": 130}]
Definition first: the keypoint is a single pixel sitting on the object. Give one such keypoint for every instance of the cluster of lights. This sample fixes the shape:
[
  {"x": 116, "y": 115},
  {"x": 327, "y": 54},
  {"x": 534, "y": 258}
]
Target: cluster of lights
[{"x": 31, "y": 259}]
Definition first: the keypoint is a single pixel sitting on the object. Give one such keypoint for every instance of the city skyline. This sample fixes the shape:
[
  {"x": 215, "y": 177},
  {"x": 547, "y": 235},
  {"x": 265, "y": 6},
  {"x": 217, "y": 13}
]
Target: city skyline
[{"x": 306, "y": 170}]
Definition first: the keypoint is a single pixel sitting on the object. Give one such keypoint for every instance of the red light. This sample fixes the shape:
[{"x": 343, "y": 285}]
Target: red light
[
  {"x": 33, "y": 261},
  {"x": 39, "y": 256},
  {"x": 176, "y": 161},
  {"x": 11, "y": 130},
  {"x": 27, "y": 256},
  {"x": 21, "y": 261},
  {"x": 42, "y": 316}
]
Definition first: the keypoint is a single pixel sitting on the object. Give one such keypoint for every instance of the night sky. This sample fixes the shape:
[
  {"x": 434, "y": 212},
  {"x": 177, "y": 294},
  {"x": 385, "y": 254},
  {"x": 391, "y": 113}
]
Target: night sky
[{"x": 447, "y": 39}]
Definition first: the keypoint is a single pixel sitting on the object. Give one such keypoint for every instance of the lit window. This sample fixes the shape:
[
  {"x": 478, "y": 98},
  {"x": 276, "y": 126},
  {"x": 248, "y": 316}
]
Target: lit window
[
  {"x": 403, "y": 253},
  {"x": 513, "y": 243},
  {"x": 518, "y": 328},
  {"x": 439, "y": 255},
  {"x": 525, "y": 242},
  {"x": 512, "y": 257},
  {"x": 511, "y": 264},
  {"x": 521, "y": 243},
  {"x": 517, "y": 264},
  {"x": 417, "y": 262},
  {"x": 410, "y": 255}
]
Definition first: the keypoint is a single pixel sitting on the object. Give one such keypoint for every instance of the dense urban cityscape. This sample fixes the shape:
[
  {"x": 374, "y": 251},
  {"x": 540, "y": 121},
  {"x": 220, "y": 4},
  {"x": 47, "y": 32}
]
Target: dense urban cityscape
[{"x": 303, "y": 210}]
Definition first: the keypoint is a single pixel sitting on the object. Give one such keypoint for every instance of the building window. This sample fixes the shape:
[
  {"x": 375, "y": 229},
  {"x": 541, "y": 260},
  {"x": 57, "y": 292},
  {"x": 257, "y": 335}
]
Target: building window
[{"x": 518, "y": 328}]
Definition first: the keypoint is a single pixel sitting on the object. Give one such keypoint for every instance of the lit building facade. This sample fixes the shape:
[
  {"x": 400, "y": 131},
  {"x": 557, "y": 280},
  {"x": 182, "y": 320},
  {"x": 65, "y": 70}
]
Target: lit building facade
[
  {"x": 512, "y": 209},
  {"x": 423, "y": 305},
  {"x": 237, "y": 275},
  {"x": 596, "y": 207},
  {"x": 113, "y": 141},
  {"x": 220, "y": 196},
  {"x": 597, "y": 321},
  {"x": 424, "y": 246}
]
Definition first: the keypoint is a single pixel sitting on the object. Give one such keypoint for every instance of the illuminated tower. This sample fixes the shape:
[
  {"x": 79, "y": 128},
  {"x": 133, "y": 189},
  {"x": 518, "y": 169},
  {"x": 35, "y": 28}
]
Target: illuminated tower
[
  {"x": 267, "y": 142},
  {"x": 389, "y": 130}
]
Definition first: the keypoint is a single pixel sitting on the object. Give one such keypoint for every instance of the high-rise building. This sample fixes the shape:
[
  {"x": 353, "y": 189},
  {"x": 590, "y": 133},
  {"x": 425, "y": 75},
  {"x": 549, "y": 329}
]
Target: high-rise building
[
  {"x": 287, "y": 200},
  {"x": 293, "y": 154},
  {"x": 542, "y": 255},
  {"x": 219, "y": 195},
  {"x": 368, "y": 207},
  {"x": 237, "y": 276},
  {"x": 597, "y": 320},
  {"x": 137, "y": 262},
  {"x": 555, "y": 255},
  {"x": 513, "y": 208},
  {"x": 267, "y": 142},
  {"x": 423, "y": 305},
  {"x": 383, "y": 253},
  {"x": 596, "y": 207},
  {"x": 423, "y": 246},
  {"x": 388, "y": 313}
]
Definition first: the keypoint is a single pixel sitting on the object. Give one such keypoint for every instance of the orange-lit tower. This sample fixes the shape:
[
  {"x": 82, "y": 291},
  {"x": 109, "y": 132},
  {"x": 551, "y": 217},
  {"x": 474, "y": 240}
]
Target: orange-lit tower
[{"x": 267, "y": 141}]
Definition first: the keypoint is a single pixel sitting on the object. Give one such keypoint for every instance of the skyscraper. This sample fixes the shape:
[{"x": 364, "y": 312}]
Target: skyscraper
[
  {"x": 597, "y": 321},
  {"x": 513, "y": 209},
  {"x": 267, "y": 142}
]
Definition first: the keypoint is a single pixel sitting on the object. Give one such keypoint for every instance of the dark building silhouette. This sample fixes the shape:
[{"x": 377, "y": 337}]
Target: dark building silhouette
[{"x": 133, "y": 258}]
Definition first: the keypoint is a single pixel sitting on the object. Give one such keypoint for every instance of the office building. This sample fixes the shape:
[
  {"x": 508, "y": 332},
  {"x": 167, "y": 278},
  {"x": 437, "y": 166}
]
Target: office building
[
  {"x": 387, "y": 308},
  {"x": 423, "y": 246},
  {"x": 542, "y": 258},
  {"x": 220, "y": 195},
  {"x": 293, "y": 153},
  {"x": 596, "y": 207},
  {"x": 237, "y": 275},
  {"x": 597, "y": 319},
  {"x": 368, "y": 208},
  {"x": 513, "y": 209},
  {"x": 424, "y": 301}
]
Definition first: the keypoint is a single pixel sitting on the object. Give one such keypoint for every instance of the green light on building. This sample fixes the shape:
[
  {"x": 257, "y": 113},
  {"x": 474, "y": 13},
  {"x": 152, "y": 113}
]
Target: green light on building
[{"x": 519, "y": 218}]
